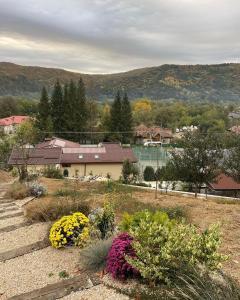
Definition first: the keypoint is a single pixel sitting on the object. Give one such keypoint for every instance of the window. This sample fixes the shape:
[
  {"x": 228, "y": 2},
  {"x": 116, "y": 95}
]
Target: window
[
  {"x": 96, "y": 156},
  {"x": 80, "y": 156}
]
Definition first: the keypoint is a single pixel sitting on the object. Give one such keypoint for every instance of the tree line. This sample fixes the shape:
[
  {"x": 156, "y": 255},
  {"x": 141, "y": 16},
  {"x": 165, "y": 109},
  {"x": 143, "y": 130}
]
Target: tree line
[{"x": 67, "y": 111}]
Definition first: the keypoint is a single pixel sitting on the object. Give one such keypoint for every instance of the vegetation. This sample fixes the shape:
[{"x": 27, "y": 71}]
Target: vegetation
[
  {"x": 52, "y": 172},
  {"x": 199, "y": 162},
  {"x": 194, "y": 82},
  {"x": 103, "y": 219},
  {"x": 149, "y": 174},
  {"x": 94, "y": 256},
  {"x": 129, "y": 172},
  {"x": 70, "y": 230},
  {"x": 51, "y": 209},
  {"x": 18, "y": 191},
  {"x": 117, "y": 265},
  {"x": 164, "y": 246}
]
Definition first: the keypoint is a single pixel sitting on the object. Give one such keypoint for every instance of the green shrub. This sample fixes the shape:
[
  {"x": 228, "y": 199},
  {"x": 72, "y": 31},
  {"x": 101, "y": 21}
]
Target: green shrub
[
  {"x": 52, "y": 172},
  {"x": 164, "y": 246},
  {"x": 149, "y": 174},
  {"x": 67, "y": 193},
  {"x": 103, "y": 220},
  {"x": 131, "y": 221},
  {"x": 93, "y": 257}
]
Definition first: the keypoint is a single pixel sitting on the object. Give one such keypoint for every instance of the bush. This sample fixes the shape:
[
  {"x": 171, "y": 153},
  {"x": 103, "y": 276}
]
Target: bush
[
  {"x": 18, "y": 191},
  {"x": 70, "y": 230},
  {"x": 94, "y": 256},
  {"x": 67, "y": 193},
  {"x": 51, "y": 209},
  {"x": 164, "y": 246},
  {"x": 117, "y": 265},
  {"x": 36, "y": 189},
  {"x": 52, "y": 172},
  {"x": 149, "y": 174},
  {"x": 103, "y": 220},
  {"x": 131, "y": 221}
]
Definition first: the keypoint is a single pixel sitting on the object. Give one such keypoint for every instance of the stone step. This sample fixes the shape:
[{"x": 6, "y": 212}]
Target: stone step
[
  {"x": 18, "y": 214},
  {"x": 60, "y": 289}
]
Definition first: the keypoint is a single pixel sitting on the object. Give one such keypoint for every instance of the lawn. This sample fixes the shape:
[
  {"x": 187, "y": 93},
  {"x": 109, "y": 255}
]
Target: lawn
[{"x": 200, "y": 212}]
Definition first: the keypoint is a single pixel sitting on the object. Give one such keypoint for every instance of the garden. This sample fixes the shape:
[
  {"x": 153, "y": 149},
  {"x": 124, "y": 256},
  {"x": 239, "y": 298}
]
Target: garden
[{"x": 166, "y": 248}]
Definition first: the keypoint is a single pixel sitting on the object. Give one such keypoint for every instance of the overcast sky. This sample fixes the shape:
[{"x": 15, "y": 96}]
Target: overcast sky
[{"x": 106, "y": 36}]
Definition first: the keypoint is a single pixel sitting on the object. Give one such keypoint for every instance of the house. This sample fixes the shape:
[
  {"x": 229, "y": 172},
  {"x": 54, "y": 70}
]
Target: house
[
  {"x": 158, "y": 134},
  {"x": 8, "y": 125},
  {"x": 57, "y": 142},
  {"x": 235, "y": 129},
  {"x": 101, "y": 159},
  {"x": 225, "y": 185}
]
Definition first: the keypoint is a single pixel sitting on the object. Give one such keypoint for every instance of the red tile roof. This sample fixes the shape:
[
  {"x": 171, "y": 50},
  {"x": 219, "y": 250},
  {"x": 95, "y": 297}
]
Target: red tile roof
[
  {"x": 57, "y": 142},
  {"x": 224, "y": 182},
  {"x": 145, "y": 132},
  {"x": 105, "y": 153},
  {"x": 13, "y": 120}
]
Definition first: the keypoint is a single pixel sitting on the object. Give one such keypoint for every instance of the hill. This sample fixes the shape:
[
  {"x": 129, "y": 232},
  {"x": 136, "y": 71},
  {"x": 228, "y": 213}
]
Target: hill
[{"x": 186, "y": 82}]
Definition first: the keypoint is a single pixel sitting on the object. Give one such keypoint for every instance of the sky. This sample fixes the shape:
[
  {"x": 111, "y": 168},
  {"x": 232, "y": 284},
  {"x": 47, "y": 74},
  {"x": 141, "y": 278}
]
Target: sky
[{"x": 109, "y": 36}]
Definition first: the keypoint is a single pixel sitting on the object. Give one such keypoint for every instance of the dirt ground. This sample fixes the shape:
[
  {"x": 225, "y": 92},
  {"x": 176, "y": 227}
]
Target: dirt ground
[{"x": 201, "y": 212}]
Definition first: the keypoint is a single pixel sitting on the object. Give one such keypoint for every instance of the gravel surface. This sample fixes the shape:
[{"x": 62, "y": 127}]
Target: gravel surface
[
  {"x": 11, "y": 221},
  {"x": 23, "y": 236},
  {"x": 99, "y": 292},
  {"x": 22, "y": 202},
  {"x": 35, "y": 270}
]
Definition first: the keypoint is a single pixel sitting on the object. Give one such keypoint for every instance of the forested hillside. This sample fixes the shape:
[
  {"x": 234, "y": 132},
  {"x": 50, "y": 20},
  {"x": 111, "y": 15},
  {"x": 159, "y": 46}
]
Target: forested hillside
[{"x": 185, "y": 82}]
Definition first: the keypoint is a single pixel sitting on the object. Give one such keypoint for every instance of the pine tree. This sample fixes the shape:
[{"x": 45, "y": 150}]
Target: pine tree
[
  {"x": 116, "y": 117},
  {"x": 127, "y": 120},
  {"x": 81, "y": 114},
  {"x": 43, "y": 122},
  {"x": 57, "y": 108}
]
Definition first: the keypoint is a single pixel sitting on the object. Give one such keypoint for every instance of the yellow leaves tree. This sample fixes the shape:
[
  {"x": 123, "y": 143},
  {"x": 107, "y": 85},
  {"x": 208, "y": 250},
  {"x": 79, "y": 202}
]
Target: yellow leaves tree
[{"x": 142, "y": 111}]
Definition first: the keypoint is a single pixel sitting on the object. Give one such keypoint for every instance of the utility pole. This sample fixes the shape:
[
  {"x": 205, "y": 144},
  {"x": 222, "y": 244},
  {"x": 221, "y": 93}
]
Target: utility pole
[{"x": 156, "y": 189}]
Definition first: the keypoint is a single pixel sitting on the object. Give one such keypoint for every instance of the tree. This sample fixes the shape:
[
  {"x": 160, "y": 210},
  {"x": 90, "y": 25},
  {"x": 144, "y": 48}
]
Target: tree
[
  {"x": 129, "y": 172},
  {"x": 142, "y": 111},
  {"x": 6, "y": 144},
  {"x": 127, "y": 120},
  {"x": 81, "y": 114},
  {"x": 199, "y": 162},
  {"x": 25, "y": 136},
  {"x": 116, "y": 116},
  {"x": 232, "y": 161},
  {"x": 44, "y": 120},
  {"x": 57, "y": 108},
  {"x": 149, "y": 174}
]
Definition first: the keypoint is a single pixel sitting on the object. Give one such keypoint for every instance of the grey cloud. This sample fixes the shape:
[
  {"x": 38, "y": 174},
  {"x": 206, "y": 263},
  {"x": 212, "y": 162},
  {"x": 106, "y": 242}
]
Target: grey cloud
[{"x": 110, "y": 35}]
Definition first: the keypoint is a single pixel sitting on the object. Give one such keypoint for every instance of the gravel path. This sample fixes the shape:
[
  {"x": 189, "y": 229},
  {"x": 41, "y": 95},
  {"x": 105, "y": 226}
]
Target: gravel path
[
  {"x": 11, "y": 221},
  {"x": 23, "y": 236},
  {"x": 35, "y": 270},
  {"x": 99, "y": 292},
  {"x": 12, "y": 212}
]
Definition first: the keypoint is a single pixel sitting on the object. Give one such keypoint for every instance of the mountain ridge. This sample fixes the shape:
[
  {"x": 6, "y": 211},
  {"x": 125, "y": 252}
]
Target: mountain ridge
[{"x": 169, "y": 81}]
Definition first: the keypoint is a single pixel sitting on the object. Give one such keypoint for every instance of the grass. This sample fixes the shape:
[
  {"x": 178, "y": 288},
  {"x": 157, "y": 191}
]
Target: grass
[
  {"x": 17, "y": 191},
  {"x": 51, "y": 209},
  {"x": 93, "y": 257}
]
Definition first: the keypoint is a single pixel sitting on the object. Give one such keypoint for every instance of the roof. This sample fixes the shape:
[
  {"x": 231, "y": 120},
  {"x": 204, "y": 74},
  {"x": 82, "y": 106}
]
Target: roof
[
  {"x": 57, "y": 142},
  {"x": 144, "y": 131},
  {"x": 225, "y": 182},
  {"x": 102, "y": 153},
  {"x": 13, "y": 120},
  {"x": 45, "y": 156}
]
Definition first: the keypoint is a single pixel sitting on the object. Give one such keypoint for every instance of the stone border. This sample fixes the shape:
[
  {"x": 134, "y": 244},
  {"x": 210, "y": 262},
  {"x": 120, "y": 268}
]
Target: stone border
[
  {"x": 14, "y": 227},
  {"x": 24, "y": 250},
  {"x": 12, "y": 215},
  {"x": 60, "y": 289}
]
